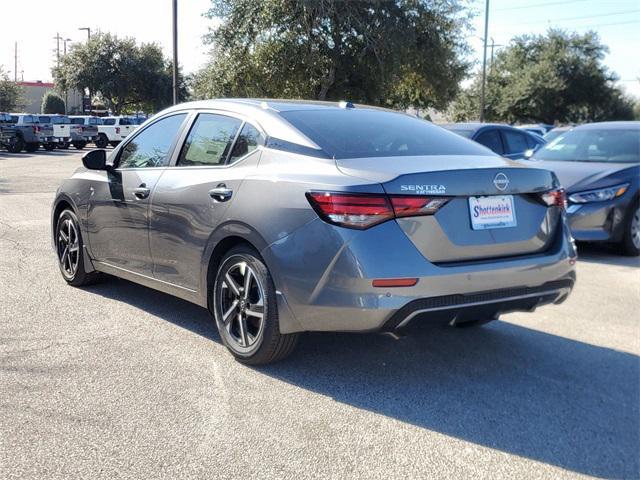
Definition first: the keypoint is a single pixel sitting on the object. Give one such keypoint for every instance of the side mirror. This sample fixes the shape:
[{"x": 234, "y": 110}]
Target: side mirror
[
  {"x": 529, "y": 153},
  {"x": 95, "y": 160}
]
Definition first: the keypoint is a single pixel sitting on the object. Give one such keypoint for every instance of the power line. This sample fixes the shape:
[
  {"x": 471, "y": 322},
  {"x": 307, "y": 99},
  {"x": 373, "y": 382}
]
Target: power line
[
  {"x": 584, "y": 17},
  {"x": 539, "y": 5}
]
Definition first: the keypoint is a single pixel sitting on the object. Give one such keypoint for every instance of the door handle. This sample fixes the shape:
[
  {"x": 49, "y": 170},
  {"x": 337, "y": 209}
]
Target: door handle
[
  {"x": 141, "y": 192},
  {"x": 221, "y": 193}
]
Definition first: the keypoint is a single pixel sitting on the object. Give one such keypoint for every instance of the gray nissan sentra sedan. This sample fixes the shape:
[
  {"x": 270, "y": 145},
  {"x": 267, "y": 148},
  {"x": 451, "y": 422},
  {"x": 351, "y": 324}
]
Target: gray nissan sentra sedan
[{"x": 282, "y": 217}]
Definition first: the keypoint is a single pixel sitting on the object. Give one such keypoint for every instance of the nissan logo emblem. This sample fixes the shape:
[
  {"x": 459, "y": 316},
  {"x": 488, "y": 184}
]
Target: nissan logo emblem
[{"x": 501, "y": 181}]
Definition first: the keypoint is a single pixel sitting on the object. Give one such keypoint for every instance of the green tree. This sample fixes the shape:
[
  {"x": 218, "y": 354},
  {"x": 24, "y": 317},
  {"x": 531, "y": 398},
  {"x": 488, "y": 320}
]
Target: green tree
[
  {"x": 10, "y": 93},
  {"x": 127, "y": 76},
  {"x": 546, "y": 78},
  {"x": 52, "y": 103},
  {"x": 391, "y": 53}
]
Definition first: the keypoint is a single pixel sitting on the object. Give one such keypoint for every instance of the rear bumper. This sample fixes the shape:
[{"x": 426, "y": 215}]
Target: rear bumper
[{"x": 325, "y": 274}]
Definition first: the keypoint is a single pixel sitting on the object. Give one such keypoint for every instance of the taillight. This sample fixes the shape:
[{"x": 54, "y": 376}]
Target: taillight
[
  {"x": 117, "y": 129},
  {"x": 36, "y": 129},
  {"x": 411, "y": 206},
  {"x": 352, "y": 210},
  {"x": 364, "y": 210},
  {"x": 555, "y": 198}
]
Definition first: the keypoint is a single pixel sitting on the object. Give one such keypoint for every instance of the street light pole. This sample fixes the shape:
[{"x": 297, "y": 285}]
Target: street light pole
[
  {"x": 484, "y": 60},
  {"x": 66, "y": 91},
  {"x": 88, "y": 32},
  {"x": 175, "y": 52}
]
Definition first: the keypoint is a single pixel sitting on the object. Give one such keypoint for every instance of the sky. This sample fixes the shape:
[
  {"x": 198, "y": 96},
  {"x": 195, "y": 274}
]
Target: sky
[{"x": 616, "y": 21}]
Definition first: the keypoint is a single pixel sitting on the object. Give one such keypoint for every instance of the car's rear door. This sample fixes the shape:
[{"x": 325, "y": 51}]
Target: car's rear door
[
  {"x": 194, "y": 194},
  {"x": 515, "y": 143},
  {"x": 118, "y": 210}
]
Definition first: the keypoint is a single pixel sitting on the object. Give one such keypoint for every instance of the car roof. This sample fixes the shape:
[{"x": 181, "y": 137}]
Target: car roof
[
  {"x": 474, "y": 125},
  {"x": 266, "y": 112},
  {"x": 610, "y": 126}
]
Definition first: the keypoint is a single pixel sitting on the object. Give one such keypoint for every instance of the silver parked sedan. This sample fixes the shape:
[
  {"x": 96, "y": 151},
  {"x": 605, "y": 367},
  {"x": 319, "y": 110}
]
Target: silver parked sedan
[{"x": 283, "y": 217}]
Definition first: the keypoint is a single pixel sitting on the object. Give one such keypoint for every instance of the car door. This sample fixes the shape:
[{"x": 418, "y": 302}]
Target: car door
[
  {"x": 118, "y": 208},
  {"x": 515, "y": 143},
  {"x": 490, "y": 138},
  {"x": 194, "y": 193}
]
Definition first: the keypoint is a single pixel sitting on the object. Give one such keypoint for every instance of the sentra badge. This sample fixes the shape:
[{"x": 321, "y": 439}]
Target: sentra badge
[{"x": 430, "y": 189}]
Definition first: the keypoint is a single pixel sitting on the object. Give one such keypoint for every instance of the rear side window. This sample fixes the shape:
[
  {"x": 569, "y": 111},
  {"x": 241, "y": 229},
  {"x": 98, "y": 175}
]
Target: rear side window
[
  {"x": 209, "y": 140},
  {"x": 152, "y": 146},
  {"x": 247, "y": 142},
  {"x": 516, "y": 142},
  {"x": 491, "y": 139},
  {"x": 358, "y": 133}
]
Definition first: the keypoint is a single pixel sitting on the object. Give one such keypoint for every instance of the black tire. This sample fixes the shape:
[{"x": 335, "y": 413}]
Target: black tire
[
  {"x": 16, "y": 146},
  {"x": 114, "y": 144},
  {"x": 72, "y": 265},
  {"x": 631, "y": 228},
  {"x": 102, "y": 141},
  {"x": 79, "y": 145},
  {"x": 31, "y": 147},
  {"x": 49, "y": 146},
  {"x": 263, "y": 342}
]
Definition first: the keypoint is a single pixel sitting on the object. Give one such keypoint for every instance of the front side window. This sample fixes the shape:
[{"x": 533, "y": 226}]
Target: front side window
[
  {"x": 516, "y": 142},
  {"x": 491, "y": 139},
  {"x": 151, "y": 147},
  {"x": 209, "y": 140},
  {"x": 247, "y": 142}
]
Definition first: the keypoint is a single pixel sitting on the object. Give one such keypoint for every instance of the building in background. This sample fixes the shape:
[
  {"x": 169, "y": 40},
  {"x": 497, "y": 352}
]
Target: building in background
[{"x": 34, "y": 92}]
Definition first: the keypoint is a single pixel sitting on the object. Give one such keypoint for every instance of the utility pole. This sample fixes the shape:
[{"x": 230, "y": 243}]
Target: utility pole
[
  {"x": 66, "y": 91},
  {"x": 88, "y": 29},
  {"x": 484, "y": 60},
  {"x": 175, "y": 52},
  {"x": 57, "y": 38},
  {"x": 493, "y": 44},
  {"x": 15, "y": 62}
]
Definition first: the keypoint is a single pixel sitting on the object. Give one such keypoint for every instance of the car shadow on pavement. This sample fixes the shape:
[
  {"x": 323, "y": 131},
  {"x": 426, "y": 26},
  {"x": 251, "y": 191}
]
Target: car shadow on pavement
[
  {"x": 606, "y": 254},
  {"x": 502, "y": 386}
]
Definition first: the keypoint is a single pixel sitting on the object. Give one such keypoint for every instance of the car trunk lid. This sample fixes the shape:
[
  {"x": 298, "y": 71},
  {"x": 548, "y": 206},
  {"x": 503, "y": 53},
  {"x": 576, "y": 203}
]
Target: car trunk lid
[{"x": 513, "y": 219}]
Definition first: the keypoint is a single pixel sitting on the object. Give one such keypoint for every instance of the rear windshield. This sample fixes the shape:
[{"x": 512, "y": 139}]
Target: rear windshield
[
  {"x": 60, "y": 120},
  {"x": 95, "y": 121},
  {"x": 77, "y": 121},
  {"x": 353, "y": 133},
  {"x": 594, "y": 145},
  {"x": 108, "y": 121},
  {"x": 44, "y": 119}
]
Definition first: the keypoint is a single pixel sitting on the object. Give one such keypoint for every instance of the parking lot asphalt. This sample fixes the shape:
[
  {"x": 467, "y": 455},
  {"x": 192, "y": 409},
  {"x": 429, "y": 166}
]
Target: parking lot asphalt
[{"x": 120, "y": 381}]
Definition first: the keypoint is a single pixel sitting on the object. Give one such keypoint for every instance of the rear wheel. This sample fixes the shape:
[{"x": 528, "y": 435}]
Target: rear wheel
[
  {"x": 631, "y": 238},
  {"x": 16, "y": 146},
  {"x": 69, "y": 247},
  {"x": 31, "y": 147},
  {"x": 246, "y": 311},
  {"x": 102, "y": 141},
  {"x": 79, "y": 145}
]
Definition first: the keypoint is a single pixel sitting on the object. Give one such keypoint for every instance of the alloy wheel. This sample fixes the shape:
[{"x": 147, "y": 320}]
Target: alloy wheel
[
  {"x": 68, "y": 247},
  {"x": 241, "y": 306},
  {"x": 635, "y": 228}
]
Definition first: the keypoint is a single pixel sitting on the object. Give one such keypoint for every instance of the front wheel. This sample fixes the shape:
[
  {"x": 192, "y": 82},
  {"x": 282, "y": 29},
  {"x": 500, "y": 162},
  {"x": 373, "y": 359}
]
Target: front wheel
[
  {"x": 246, "y": 311},
  {"x": 79, "y": 145},
  {"x": 69, "y": 247},
  {"x": 102, "y": 141},
  {"x": 631, "y": 238}
]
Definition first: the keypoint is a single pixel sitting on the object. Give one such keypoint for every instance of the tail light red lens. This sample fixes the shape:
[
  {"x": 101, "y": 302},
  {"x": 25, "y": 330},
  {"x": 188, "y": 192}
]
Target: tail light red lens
[
  {"x": 357, "y": 210},
  {"x": 410, "y": 206},
  {"x": 117, "y": 129},
  {"x": 351, "y": 209},
  {"x": 555, "y": 198}
]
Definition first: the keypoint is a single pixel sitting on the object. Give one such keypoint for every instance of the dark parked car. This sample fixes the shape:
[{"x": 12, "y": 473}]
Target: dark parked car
[
  {"x": 8, "y": 134},
  {"x": 504, "y": 140},
  {"x": 599, "y": 166}
]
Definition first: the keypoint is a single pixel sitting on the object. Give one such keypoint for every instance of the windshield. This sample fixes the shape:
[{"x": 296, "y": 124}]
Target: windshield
[
  {"x": 354, "y": 133},
  {"x": 594, "y": 145}
]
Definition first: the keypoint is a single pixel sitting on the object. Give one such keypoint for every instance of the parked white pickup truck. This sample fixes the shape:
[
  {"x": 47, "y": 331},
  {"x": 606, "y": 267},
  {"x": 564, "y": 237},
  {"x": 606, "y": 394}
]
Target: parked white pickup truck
[
  {"x": 88, "y": 130},
  {"x": 63, "y": 129},
  {"x": 115, "y": 129}
]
